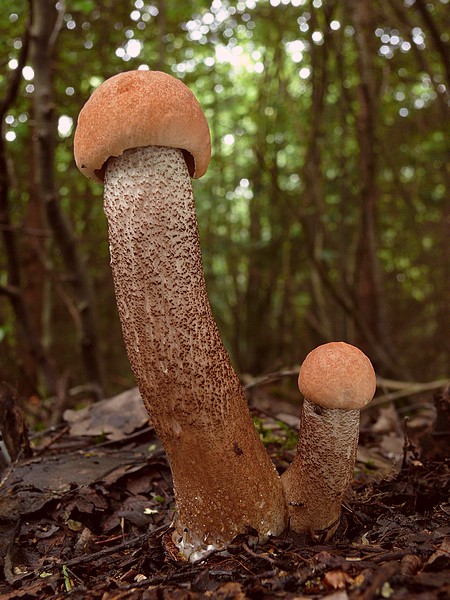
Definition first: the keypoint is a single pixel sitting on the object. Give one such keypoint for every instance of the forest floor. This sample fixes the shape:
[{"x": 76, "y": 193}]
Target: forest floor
[{"x": 88, "y": 514}]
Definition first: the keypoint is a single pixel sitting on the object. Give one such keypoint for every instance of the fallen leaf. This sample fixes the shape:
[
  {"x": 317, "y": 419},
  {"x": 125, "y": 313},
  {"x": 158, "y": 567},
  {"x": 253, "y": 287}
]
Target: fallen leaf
[
  {"x": 115, "y": 418},
  {"x": 440, "y": 559},
  {"x": 336, "y": 580}
]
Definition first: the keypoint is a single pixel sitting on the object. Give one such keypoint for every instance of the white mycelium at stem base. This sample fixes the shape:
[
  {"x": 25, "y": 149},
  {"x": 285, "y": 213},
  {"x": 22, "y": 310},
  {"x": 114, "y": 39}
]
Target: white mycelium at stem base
[
  {"x": 223, "y": 478},
  {"x": 337, "y": 380}
]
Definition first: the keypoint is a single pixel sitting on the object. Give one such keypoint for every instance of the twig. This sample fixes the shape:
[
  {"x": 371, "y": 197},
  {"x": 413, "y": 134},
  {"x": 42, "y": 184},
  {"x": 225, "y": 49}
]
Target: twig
[
  {"x": 263, "y": 379},
  {"x": 10, "y": 290},
  {"x": 21, "y": 230},
  {"x": 157, "y": 580},
  {"x": 87, "y": 389},
  {"x": 404, "y": 388},
  {"x": 136, "y": 541},
  {"x": 39, "y": 451},
  {"x": 409, "y": 390},
  {"x": 394, "y": 384}
]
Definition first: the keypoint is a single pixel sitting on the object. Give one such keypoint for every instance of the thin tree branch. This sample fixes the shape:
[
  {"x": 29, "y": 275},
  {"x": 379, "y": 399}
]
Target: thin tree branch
[
  {"x": 21, "y": 230},
  {"x": 439, "y": 44},
  {"x": 410, "y": 389},
  {"x": 403, "y": 388}
]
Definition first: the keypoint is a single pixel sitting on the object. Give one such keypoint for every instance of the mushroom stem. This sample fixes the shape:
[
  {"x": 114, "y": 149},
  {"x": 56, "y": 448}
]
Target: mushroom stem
[
  {"x": 318, "y": 478},
  {"x": 224, "y": 481},
  {"x": 336, "y": 380}
]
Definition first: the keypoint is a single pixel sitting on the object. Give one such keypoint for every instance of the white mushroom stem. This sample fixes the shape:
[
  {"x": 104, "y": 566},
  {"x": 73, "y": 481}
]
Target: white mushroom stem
[
  {"x": 224, "y": 481},
  {"x": 322, "y": 471}
]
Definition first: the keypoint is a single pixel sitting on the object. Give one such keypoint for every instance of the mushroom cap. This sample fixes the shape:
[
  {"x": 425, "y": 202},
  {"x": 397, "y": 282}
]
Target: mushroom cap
[
  {"x": 136, "y": 109},
  {"x": 337, "y": 375}
]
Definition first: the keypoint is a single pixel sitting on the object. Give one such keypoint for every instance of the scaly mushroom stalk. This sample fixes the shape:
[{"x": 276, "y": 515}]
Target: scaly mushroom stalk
[
  {"x": 337, "y": 380},
  {"x": 224, "y": 481}
]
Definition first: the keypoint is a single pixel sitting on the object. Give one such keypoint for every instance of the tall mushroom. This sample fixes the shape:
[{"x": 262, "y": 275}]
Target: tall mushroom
[
  {"x": 337, "y": 380},
  {"x": 144, "y": 133}
]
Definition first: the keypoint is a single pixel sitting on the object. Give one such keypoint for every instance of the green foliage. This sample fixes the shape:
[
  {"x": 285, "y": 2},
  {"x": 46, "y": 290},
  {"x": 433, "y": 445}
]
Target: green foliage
[
  {"x": 158, "y": 498},
  {"x": 280, "y": 85},
  {"x": 284, "y": 438}
]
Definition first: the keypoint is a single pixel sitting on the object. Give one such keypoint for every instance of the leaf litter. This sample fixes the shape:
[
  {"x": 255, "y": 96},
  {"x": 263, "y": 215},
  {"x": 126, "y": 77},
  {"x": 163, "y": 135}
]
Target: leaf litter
[{"x": 89, "y": 516}]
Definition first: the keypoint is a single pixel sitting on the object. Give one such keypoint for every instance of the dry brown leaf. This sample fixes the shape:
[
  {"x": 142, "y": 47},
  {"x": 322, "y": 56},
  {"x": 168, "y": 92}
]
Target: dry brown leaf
[{"x": 337, "y": 580}]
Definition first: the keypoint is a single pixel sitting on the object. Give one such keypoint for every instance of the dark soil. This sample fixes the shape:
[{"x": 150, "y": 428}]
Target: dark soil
[{"x": 89, "y": 517}]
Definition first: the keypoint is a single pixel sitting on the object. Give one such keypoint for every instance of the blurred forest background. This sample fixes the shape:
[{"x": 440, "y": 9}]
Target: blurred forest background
[{"x": 324, "y": 212}]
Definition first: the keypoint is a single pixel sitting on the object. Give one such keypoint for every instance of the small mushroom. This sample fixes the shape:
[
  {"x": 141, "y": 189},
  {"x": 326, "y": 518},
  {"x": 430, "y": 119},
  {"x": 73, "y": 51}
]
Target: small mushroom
[
  {"x": 144, "y": 133},
  {"x": 336, "y": 380}
]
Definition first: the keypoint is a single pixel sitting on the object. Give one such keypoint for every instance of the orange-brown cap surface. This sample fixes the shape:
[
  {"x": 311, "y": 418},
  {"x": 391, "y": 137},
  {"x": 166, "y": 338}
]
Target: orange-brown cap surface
[
  {"x": 136, "y": 109},
  {"x": 337, "y": 375}
]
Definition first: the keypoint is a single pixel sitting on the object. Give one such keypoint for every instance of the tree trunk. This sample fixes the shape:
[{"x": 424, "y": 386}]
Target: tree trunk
[
  {"x": 313, "y": 220},
  {"x": 34, "y": 275},
  {"x": 370, "y": 301},
  {"x": 27, "y": 333},
  {"x": 44, "y": 30}
]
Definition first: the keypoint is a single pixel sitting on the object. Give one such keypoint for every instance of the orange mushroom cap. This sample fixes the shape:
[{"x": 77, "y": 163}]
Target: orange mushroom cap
[
  {"x": 137, "y": 109},
  {"x": 337, "y": 375}
]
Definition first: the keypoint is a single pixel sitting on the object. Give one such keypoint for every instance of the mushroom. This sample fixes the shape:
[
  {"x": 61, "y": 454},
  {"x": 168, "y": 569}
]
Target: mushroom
[
  {"x": 336, "y": 380},
  {"x": 143, "y": 133}
]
